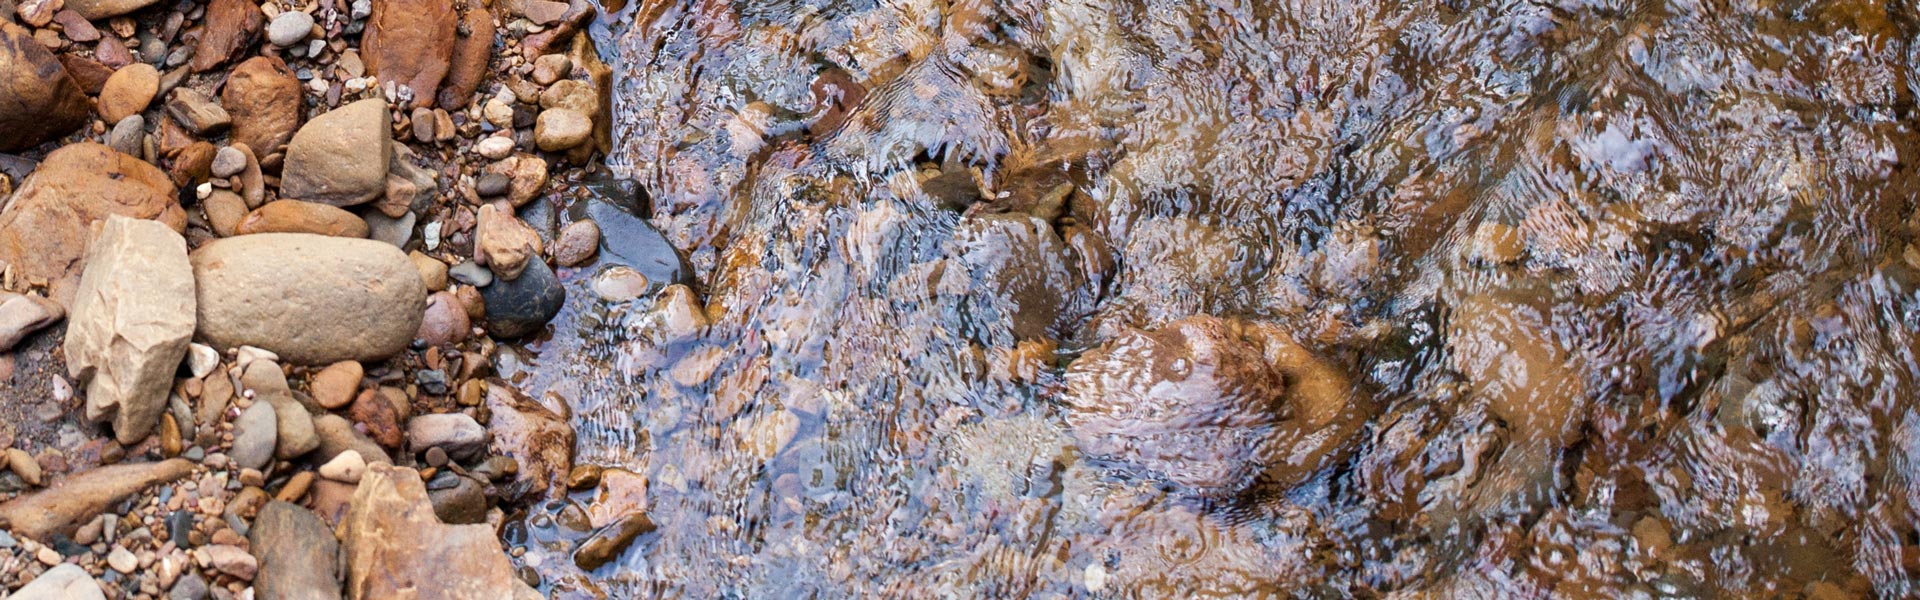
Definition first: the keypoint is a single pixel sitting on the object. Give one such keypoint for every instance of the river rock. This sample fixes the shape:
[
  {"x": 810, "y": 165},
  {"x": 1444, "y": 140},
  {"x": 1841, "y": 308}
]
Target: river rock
[
  {"x": 445, "y": 321},
  {"x": 65, "y": 582},
  {"x": 311, "y": 299},
  {"x": 294, "y": 430},
  {"x": 44, "y": 230},
  {"x": 228, "y": 162},
  {"x": 61, "y": 509},
  {"x": 526, "y": 175},
  {"x": 345, "y": 467},
  {"x": 289, "y": 28},
  {"x": 298, "y": 216},
  {"x": 95, "y": 10},
  {"x": 340, "y": 157},
  {"x": 537, "y": 438},
  {"x": 39, "y": 101},
  {"x": 198, "y": 112},
  {"x": 410, "y": 42},
  {"x": 231, "y": 27},
  {"x": 562, "y": 129},
  {"x": 337, "y": 435},
  {"x": 263, "y": 96},
  {"x": 225, "y": 210},
  {"x": 129, "y": 91},
  {"x": 577, "y": 244},
  {"x": 297, "y": 554},
  {"x": 133, "y": 316},
  {"x": 21, "y": 315},
  {"x": 336, "y": 385},
  {"x": 383, "y": 228},
  {"x": 255, "y": 434},
  {"x": 432, "y": 271},
  {"x": 128, "y": 136},
  {"x": 521, "y": 307},
  {"x": 396, "y": 547},
  {"x": 504, "y": 243},
  {"x": 379, "y": 417},
  {"x": 458, "y": 434}
]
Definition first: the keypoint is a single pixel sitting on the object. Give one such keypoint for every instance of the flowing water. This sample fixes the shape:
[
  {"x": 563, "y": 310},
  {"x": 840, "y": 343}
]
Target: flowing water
[{"x": 1294, "y": 298}]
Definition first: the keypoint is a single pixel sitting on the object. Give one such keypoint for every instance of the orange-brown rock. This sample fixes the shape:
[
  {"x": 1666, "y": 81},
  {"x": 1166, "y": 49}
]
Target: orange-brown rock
[
  {"x": 64, "y": 507},
  {"x": 263, "y": 97},
  {"x": 396, "y": 547},
  {"x": 537, "y": 438},
  {"x": 410, "y": 43},
  {"x": 296, "y": 216},
  {"x": 128, "y": 91},
  {"x": 232, "y": 26},
  {"x": 468, "y": 66}
]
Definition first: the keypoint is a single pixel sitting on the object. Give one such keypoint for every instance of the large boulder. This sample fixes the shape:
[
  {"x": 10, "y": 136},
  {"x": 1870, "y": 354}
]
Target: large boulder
[
  {"x": 61, "y": 509},
  {"x": 340, "y": 157},
  {"x": 39, "y": 101},
  {"x": 132, "y": 319},
  {"x": 313, "y": 300},
  {"x": 65, "y": 582},
  {"x": 44, "y": 230},
  {"x": 231, "y": 27},
  {"x": 397, "y": 548}
]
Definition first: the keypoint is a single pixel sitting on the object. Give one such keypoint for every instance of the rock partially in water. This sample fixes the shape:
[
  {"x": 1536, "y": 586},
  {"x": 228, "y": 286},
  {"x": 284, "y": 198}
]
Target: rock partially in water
[
  {"x": 311, "y": 299},
  {"x": 133, "y": 316},
  {"x": 396, "y": 547},
  {"x": 526, "y": 431},
  {"x": 456, "y": 433}
]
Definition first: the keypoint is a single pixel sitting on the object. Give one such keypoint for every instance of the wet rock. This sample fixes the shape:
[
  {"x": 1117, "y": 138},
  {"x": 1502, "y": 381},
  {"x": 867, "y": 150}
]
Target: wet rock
[
  {"x": 523, "y": 306},
  {"x": 609, "y": 542},
  {"x": 456, "y": 433},
  {"x": 619, "y": 494},
  {"x": 39, "y": 101},
  {"x": 395, "y": 546},
  {"x": 535, "y": 437},
  {"x": 95, "y": 10},
  {"x": 336, "y": 385},
  {"x": 627, "y": 239},
  {"x": 198, "y": 112},
  {"x": 471, "y": 51},
  {"x": 340, "y": 157},
  {"x": 445, "y": 321},
  {"x": 562, "y": 129},
  {"x": 1019, "y": 265},
  {"x": 619, "y": 283},
  {"x": 129, "y": 91},
  {"x": 577, "y": 244},
  {"x": 297, "y": 216},
  {"x": 44, "y": 229},
  {"x": 77, "y": 499},
  {"x": 65, "y": 582},
  {"x": 263, "y": 97},
  {"x": 133, "y": 316},
  {"x": 255, "y": 434},
  {"x": 294, "y": 429},
  {"x": 289, "y": 28},
  {"x": 21, "y": 315},
  {"x": 410, "y": 42},
  {"x": 504, "y": 243},
  {"x": 311, "y": 299},
  {"x": 1202, "y": 403},
  {"x": 297, "y": 553}
]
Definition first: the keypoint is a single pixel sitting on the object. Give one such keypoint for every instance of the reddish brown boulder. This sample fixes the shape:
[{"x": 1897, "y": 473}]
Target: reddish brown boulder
[
  {"x": 263, "y": 97},
  {"x": 470, "y": 55},
  {"x": 38, "y": 100},
  {"x": 410, "y": 43},
  {"x": 232, "y": 26},
  {"x": 44, "y": 230},
  {"x": 396, "y": 547}
]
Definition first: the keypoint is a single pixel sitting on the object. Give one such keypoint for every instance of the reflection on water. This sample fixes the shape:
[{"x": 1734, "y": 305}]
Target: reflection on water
[{"x": 1157, "y": 298}]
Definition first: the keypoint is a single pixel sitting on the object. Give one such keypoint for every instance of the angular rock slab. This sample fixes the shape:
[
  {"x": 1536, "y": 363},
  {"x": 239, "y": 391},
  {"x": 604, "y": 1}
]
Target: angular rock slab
[
  {"x": 79, "y": 498},
  {"x": 311, "y": 299},
  {"x": 397, "y": 548},
  {"x": 340, "y": 157},
  {"x": 65, "y": 582},
  {"x": 133, "y": 316}
]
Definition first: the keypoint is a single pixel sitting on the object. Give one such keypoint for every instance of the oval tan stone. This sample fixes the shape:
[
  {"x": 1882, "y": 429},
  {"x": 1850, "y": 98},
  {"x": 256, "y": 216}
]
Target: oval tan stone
[{"x": 311, "y": 299}]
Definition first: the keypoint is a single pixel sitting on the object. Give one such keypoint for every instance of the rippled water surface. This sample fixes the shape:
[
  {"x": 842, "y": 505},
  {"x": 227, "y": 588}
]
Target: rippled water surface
[{"x": 1314, "y": 298}]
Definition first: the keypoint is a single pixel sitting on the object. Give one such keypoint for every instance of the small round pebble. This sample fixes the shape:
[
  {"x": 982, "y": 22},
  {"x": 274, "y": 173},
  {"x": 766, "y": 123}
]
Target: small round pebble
[
  {"x": 495, "y": 148},
  {"x": 289, "y": 28},
  {"x": 436, "y": 457},
  {"x": 228, "y": 162}
]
